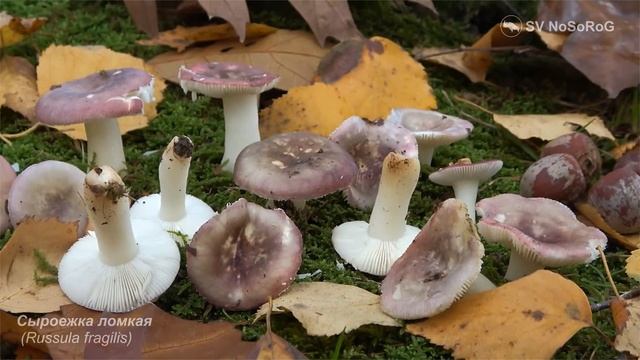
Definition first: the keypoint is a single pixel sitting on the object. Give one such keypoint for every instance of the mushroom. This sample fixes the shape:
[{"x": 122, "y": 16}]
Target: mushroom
[
  {"x": 369, "y": 142},
  {"x": 97, "y": 101},
  {"x": 540, "y": 232},
  {"x": 296, "y": 166},
  {"x": 555, "y": 176},
  {"x": 243, "y": 256},
  {"x": 126, "y": 262},
  {"x": 465, "y": 178},
  {"x": 373, "y": 247},
  {"x": 616, "y": 196},
  {"x": 173, "y": 207},
  {"x": 239, "y": 86},
  {"x": 431, "y": 129},
  {"x": 437, "y": 268},
  {"x": 581, "y": 147},
  {"x": 7, "y": 175},
  {"x": 49, "y": 189}
]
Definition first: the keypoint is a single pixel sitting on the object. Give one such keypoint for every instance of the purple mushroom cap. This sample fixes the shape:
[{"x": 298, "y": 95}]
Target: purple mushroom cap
[
  {"x": 556, "y": 176},
  {"x": 7, "y": 176},
  {"x": 243, "y": 256},
  {"x": 581, "y": 147},
  {"x": 617, "y": 198},
  {"x": 218, "y": 79}
]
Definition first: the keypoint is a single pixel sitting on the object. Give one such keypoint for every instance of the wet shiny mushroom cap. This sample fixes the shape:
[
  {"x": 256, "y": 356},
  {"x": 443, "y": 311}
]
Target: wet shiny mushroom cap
[
  {"x": 555, "y": 176},
  {"x": 581, "y": 147},
  {"x": 7, "y": 175},
  {"x": 617, "y": 198},
  {"x": 244, "y": 255},
  {"x": 294, "y": 166},
  {"x": 106, "y": 94},
  {"x": 218, "y": 79},
  {"x": 436, "y": 128}
]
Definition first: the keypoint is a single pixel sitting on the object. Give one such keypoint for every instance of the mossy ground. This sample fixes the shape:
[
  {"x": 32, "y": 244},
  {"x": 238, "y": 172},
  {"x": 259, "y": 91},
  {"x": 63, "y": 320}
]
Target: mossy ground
[{"x": 538, "y": 83}]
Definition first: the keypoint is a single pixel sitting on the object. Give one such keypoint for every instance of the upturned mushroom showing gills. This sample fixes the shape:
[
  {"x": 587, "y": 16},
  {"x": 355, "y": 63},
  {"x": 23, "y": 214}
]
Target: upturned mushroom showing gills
[
  {"x": 49, "y": 189},
  {"x": 297, "y": 166},
  {"x": 540, "y": 232},
  {"x": 437, "y": 268},
  {"x": 373, "y": 247},
  {"x": 465, "y": 177},
  {"x": 126, "y": 262},
  {"x": 7, "y": 175},
  {"x": 243, "y": 256},
  {"x": 97, "y": 101},
  {"x": 369, "y": 143},
  {"x": 555, "y": 176},
  {"x": 239, "y": 86},
  {"x": 173, "y": 207},
  {"x": 616, "y": 196},
  {"x": 431, "y": 129},
  {"x": 581, "y": 147}
]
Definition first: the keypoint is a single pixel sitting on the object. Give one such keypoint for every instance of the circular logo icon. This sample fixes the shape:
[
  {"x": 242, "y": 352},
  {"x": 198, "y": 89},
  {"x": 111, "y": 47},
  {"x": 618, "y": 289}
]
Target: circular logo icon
[{"x": 511, "y": 26}]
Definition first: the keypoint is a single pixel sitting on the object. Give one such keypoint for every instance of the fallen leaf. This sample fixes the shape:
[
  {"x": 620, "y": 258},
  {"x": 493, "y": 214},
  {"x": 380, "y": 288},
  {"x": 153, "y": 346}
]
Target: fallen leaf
[
  {"x": 527, "y": 318},
  {"x": 14, "y": 29},
  {"x": 328, "y": 18},
  {"x": 272, "y": 347},
  {"x": 294, "y": 55},
  {"x": 59, "y": 64},
  {"x": 234, "y": 12},
  {"x": 182, "y": 37},
  {"x": 620, "y": 150},
  {"x": 18, "y": 290},
  {"x": 633, "y": 265},
  {"x": 630, "y": 242},
  {"x": 554, "y": 41},
  {"x": 327, "y": 309},
  {"x": 144, "y": 14},
  {"x": 628, "y": 338},
  {"x": 18, "y": 91},
  {"x": 550, "y": 126}
]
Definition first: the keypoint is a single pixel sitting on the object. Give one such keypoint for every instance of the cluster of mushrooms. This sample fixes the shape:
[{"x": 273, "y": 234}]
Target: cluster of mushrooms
[{"x": 127, "y": 256}]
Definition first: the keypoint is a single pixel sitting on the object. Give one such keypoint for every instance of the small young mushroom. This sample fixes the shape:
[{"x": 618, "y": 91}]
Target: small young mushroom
[
  {"x": 437, "y": 268},
  {"x": 616, "y": 196},
  {"x": 244, "y": 255},
  {"x": 297, "y": 166},
  {"x": 373, "y": 247},
  {"x": 49, "y": 189},
  {"x": 465, "y": 178},
  {"x": 126, "y": 262},
  {"x": 369, "y": 143},
  {"x": 7, "y": 175},
  {"x": 239, "y": 86},
  {"x": 173, "y": 207},
  {"x": 540, "y": 232},
  {"x": 581, "y": 147},
  {"x": 97, "y": 101},
  {"x": 555, "y": 176},
  {"x": 431, "y": 129}
]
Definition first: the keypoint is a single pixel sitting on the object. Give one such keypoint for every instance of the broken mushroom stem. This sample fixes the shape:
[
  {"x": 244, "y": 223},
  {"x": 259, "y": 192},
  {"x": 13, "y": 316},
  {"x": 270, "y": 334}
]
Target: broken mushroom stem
[
  {"x": 241, "y": 126},
  {"x": 173, "y": 174}
]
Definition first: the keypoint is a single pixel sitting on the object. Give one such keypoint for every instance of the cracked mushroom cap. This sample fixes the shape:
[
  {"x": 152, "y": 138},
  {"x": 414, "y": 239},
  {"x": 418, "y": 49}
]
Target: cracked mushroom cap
[
  {"x": 431, "y": 127},
  {"x": 442, "y": 262},
  {"x": 246, "y": 254},
  {"x": 555, "y": 176},
  {"x": 581, "y": 147},
  {"x": 219, "y": 79},
  {"x": 106, "y": 94},
  {"x": 7, "y": 175},
  {"x": 49, "y": 189},
  {"x": 617, "y": 198},
  {"x": 543, "y": 230},
  {"x": 294, "y": 166},
  {"x": 464, "y": 169},
  {"x": 369, "y": 143}
]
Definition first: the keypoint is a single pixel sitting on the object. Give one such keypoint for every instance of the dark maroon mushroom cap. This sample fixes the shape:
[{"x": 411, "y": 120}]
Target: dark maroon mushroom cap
[
  {"x": 244, "y": 255},
  {"x": 617, "y": 198},
  {"x": 106, "y": 94},
  {"x": 556, "y": 176},
  {"x": 294, "y": 166},
  {"x": 581, "y": 147},
  {"x": 631, "y": 156},
  {"x": 217, "y": 79},
  {"x": 7, "y": 175}
]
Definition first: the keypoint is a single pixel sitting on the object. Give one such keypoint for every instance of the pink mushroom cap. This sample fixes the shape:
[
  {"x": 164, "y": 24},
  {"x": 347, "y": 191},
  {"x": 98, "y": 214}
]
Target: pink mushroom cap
[{"x": 218, "y": 79}]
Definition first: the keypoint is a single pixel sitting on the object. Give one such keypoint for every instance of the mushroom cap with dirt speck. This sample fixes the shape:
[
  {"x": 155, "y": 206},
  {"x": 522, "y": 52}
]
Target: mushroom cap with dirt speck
[
  {"x": 616, "y": 196},
  {"x": 431, "y": 127},
  {"x": 294, "y": 166},
  {"x": 7, "y": 176},
  {"x": 243, "y": 256},
  {"x": 220, "y": 79},
  {"x": 103, "y": 95},
  {"x": 555, "y": 176},
  {"x": 581, "y": 147},
  {"x": 463, "y": 170}
]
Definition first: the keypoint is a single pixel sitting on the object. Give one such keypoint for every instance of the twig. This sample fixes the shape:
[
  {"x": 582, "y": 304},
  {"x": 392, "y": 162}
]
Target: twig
[
  {"x": 605, "y": 304},
  {"x": 458, "y": 98},
  {"x": 21, "y": 133},
  {"x": 606, "y": 269},
  {"x": 5, "y": 140},
  {"x": 491, "y": 49}
]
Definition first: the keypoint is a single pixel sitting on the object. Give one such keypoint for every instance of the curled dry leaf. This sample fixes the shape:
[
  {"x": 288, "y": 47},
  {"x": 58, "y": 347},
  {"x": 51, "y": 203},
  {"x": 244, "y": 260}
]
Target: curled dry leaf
[
  {"x": 328, "y": 18},
  {"x": 327, "y": 309},
  {"x": 13, "y": 29},
  {"x": 18, "y": 91},
  {"x": 550, "y": 126},
  {"x": 629, "y": 331},
  {"x": 272, "y": 347},
  {"x": 235, "y": 12},
  {"x": 19, "y": 291},
  {"x": 630, "y": 242},
  {"x": 59, "y": 64}
]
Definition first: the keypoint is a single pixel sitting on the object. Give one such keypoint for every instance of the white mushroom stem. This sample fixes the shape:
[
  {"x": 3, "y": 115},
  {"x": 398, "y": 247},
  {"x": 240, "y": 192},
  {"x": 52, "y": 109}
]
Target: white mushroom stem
[
  {"x": 397, "y": 182},
  {"x": 425, "y": 152},
  {"x": 240, "y": 126},
  {"x": 104, "y": 144},
  {"x": 173, "y": 174},
  {"x": 108, "y": 207},
  {"x": 481, "y": 284},
  {"x": 520, "y": 266},
  {"x": 467, "y": 192}
]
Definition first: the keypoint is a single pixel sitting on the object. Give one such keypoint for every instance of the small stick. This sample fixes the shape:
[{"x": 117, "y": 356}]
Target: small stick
[
  {"x": 21, "y": 133},
  {"x": 606, "y": 269},
  {"x": 634, "y": 293},
  {"x": 491, "y": 49},
  {"x": 458, "y": 98},
  {"x": 5, "y": 140}
]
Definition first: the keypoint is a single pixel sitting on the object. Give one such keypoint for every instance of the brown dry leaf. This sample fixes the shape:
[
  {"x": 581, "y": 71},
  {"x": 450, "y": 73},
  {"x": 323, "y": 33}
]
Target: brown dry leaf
[
  {"x": 550, "y": 126},
  {"x": 527, "y": 318},
  {"x": 272, "y": 347},
  {"x": 630, "y": 242},
  {"x": 182, "y": 37},
  {"x": 327, "y": 309},
  {"x": 59, "y": 64},
  {"x": 18, "y": 91},
  {"x": 13, "y": 29},
  {"x": 328, "y": 18},
  {"x": 628, "y": 338},
  {"x": 294, "y": 55},
  {"x": 18, "y": 290},
  {"x": 144, "y": 14},
  {"x": 633, "y": 265},
  {"x": 186, "y": 339},
  {"x": 234, "y": 12}
]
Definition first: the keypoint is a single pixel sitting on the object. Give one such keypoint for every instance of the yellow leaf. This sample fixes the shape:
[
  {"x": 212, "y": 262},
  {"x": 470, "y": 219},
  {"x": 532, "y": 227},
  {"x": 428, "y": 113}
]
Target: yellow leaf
[
  {"x": 18, "y": 91},
  {"x": 528, "y": 318},
  {"x": 629, "y": 338},
  {"x": 550, "y": 126},
  {"x": 182, "y": 37},
  {"x": 18, "y": 289},
  {"x": 59, "y": 64},
  {"x": 14, "y": 29},
  {"x": 294, "y": 55},
  {"x": 630, "y": 242},
  {"x": 633, "y": 265}
]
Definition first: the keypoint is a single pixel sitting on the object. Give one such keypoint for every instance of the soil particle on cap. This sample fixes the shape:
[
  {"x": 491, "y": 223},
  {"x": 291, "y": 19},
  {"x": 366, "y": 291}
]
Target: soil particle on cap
[{"x": 183, "y": 147}]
